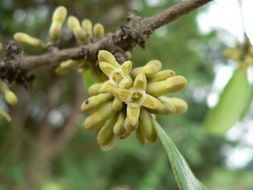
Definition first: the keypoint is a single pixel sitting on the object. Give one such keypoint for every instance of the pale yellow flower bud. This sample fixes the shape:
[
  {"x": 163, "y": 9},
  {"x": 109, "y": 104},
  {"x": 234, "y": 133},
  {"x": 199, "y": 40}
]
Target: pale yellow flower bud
[
  {"x": 87, "y": 25},
  {"x": 105, "y": 134},
  {"x": 26, "y": 39},
  {"x": 162, "y": 75},
  {"x": 169, "y": 86},
  {"x": 118, "y": 128},
  {"x": 140, "y": 135},
  {"x": 117, "y": 105},
  {"x": 147, "y": 126},
  {"x": 74, "y": 25},
  {"x": 55, "y": 31},
  {"x": 90, "y": 105},
  {"x": 94, "y": 89},
  {"x": 1, "y": 46},
  {"x": 98, "y": 118},
  {"x": 149, "y": 69},
  {"x": 66, "y": 66},
  {"x": 98, "y": 30},
  {"x": 129, "y": 126},
  {"x": 10, "y": 97},
  {"x": 180, "y": 105},
  {"x": 60, "y": 14}
]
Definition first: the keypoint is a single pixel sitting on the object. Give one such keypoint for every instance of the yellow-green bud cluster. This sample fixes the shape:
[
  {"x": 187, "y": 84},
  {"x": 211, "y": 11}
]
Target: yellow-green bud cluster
[
  {"x": 128, "y": 100},
  {"x": 58, "y": 19},
  {"x": 240, "y": 54},
  {"x": 85, "y": 31}
]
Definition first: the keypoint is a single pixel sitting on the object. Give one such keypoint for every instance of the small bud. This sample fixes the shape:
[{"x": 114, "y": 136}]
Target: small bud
[
  {"x": 74, "y": 25},
  {"x": 117, "y": 105},
  {"x": 66, "y": 66},
  {"x": 118, "y": 128},
  {"x": 169, "y": 86},
  {"x": 129, "y": 127},
  {"x": 26, "y": 39},
  {"x": 60, "y": 14},
  {"x": 87, "y": 25},
  {"x": 90, "y": 105},
  {"x": 98, "y": 118},
  {"x": 98, "y": 30},
  {"x": 94, "y": 89},
  {"x": 10, "y": 98},
  {"x": 54, "y": 32},
  {"x": 162, "y": 75},
  {"x": 147, "y": 126},
  {"x": 149, "y": 69},
  {"x": 105, "y": 134},
  {"x": 1, "y": 46},
  {"x": 180, "y": 105},
  {"x": 140, "y": 135}
]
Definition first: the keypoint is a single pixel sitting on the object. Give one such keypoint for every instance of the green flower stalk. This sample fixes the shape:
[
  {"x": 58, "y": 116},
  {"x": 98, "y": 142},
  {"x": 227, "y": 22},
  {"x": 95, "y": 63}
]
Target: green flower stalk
[{"x": 128, "y": 100}]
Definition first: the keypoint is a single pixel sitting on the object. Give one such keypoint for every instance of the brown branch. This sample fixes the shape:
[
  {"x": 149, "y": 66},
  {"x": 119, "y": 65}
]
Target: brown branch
[{"x": 135, "y": 32}]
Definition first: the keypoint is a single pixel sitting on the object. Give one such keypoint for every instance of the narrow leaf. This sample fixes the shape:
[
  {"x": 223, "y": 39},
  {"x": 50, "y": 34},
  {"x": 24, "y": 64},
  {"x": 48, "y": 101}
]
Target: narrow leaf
[
  {"x": 232, "y": 104},
  {"x": 183, "y": 174}
]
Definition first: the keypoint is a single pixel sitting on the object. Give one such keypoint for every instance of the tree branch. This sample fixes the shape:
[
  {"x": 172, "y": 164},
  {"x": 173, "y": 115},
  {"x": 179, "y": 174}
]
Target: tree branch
[{"x": 135, "y": 32}]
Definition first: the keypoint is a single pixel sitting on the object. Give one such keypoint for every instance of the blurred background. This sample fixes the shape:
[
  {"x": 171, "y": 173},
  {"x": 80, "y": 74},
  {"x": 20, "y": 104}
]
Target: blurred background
[{"x": 45, "y": 146}]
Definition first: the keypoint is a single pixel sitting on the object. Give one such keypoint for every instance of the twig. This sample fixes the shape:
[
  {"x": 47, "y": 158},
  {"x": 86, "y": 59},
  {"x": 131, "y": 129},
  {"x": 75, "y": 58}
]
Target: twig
[{"x": 135, "y": 32}]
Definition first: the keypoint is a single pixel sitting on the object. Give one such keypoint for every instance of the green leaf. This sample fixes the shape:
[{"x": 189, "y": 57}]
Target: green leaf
[
  {"x": 232, "y": 104},
  {"x": 183, "y": 174}
]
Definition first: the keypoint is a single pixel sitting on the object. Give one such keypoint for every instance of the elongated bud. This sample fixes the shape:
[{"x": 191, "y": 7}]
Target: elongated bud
[
  {"x": 90, "y": 105},
  {"x": 149, "y": 69},
  {"x": 10, "y": 97},
  {"x": 60, "y": 14},
  {"x": 1, "y": 47},
  {"x": 106, "y": 56},
  {"x": 147, "y": 126},
  {"x": 167, "y": 106},
  {"x": 129, "y": 127},
  {"x": 74, "y": 25},
  {"x": 117, "y": 105},
  {"x": 140, "y": 135},
  {"x": 58, "y": 19},
  {"x": 98, "y": 30},
  {"x": 94, "y": 89},
  {"x": 66, "y": 66},
  {"x": 105, "y": 134},
  {"x": 87, "y": 25},
  {"x": 98, "y": 118},
  {"x": 180, "y": 105},
  {"x": 162, "y": 75},
  {"x": 118, "y": 128},
  {"x": 26, "y": 39},
  {"x": 169, "y": 86},
  {"x": 5, "y": 115}
]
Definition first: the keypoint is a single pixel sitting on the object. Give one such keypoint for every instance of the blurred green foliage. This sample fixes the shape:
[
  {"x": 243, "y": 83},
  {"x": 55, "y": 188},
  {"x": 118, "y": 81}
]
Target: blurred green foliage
[{"x": 81, "y": 164}]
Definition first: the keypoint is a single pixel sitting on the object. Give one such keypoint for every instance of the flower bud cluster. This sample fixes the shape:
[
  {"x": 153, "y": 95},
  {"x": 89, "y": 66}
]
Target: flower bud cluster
[
  {"x": 242, "y": 53},
  {"x": 58, "y": 19},
  {"x": 84, "y": 31},
  {"x": 128, "y": 101}
]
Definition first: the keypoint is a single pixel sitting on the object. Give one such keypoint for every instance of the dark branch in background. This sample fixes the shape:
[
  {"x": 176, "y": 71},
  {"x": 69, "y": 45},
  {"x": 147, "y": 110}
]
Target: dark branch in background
[{"x": 135, "y": 32}]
